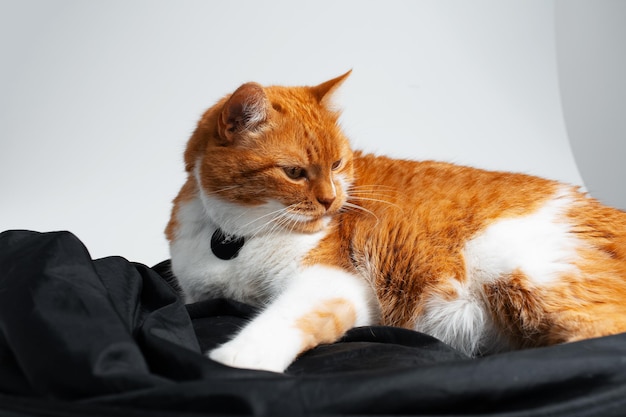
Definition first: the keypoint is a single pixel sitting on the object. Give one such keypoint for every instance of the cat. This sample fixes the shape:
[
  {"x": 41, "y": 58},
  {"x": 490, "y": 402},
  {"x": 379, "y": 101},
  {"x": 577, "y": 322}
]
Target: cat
[{"x": 279, "y": 212}]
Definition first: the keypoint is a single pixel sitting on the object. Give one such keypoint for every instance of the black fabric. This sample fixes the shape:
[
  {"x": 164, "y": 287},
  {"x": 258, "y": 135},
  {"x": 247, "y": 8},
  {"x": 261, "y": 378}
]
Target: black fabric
[{"x": 107, "y": 337}]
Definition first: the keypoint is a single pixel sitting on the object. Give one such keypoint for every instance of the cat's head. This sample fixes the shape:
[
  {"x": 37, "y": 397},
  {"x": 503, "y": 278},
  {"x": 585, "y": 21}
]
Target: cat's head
[{"x": 272, "y": 158}]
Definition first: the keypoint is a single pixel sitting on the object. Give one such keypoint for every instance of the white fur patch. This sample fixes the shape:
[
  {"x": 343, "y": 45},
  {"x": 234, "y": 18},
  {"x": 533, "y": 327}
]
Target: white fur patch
[
  {"x": 264, "y": 263},
  {"x": 539, "y": 244},
  {"x": 460, "y": 322}
]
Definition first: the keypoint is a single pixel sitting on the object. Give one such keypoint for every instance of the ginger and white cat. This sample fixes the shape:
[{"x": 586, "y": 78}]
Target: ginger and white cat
[{"x": 279, "y": 212}]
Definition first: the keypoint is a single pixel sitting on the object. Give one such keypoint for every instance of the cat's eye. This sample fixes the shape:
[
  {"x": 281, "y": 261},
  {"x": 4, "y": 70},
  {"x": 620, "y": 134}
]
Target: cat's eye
[
  {"x": 295, "y": 173},
  {"x": 336, "y": 165}
]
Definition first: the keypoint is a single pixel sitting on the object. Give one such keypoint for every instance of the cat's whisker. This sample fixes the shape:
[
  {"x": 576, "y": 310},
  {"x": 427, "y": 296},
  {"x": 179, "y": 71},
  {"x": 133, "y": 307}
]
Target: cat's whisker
[
  {"x": 287, "y": 221},
  {"x": 380, "y": 198},
  {"x": 267, "y": 228},
  {"x": 264, "y": 216},
  {"x": 371, "y": 187},
  {"x": 221, "y": 190},
  {"x": 233, "y": 222},
  {"x": 372, "y": 192},
  {"x": 377, "y": 200},
  {"x": 278, "y": 223},
  {"x": 279, "y": 217},
  {"x": 356, "y": 207}
]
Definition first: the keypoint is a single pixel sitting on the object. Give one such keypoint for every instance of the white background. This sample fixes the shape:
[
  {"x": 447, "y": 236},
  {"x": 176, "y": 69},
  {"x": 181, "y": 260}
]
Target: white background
[{"x": 97, "y": 98}]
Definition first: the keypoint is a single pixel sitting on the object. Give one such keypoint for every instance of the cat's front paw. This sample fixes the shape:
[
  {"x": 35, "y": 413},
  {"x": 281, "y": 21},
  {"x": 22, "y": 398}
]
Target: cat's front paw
[{"x": 250, "y": 355}]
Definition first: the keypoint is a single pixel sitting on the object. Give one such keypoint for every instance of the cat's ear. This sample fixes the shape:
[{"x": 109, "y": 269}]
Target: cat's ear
[
  {"x": 244, "y": 111},
  {"x": 325, "y": 90}
]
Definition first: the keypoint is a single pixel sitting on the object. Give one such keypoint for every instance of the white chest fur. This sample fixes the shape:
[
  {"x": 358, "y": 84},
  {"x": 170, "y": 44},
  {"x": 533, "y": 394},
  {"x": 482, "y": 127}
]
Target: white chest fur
[{"x": 260, "y": 271}]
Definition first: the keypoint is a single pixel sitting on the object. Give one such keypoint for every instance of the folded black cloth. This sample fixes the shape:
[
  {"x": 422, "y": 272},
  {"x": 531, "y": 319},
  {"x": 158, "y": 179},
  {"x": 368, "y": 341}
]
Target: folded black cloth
[{"x": 108, "y": 337}]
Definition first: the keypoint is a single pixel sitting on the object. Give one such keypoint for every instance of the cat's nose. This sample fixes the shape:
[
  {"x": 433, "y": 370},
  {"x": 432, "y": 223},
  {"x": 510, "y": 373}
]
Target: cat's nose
[{"x": 326, "y": 201}]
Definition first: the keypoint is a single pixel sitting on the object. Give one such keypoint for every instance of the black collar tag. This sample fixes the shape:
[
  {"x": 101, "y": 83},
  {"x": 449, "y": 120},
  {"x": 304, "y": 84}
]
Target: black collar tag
[{"x": 225, "y": 246}]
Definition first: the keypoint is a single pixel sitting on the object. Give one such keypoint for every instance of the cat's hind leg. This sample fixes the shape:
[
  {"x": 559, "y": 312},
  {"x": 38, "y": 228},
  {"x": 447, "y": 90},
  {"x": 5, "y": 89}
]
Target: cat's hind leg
[
  {"x": 318, "y": 305},
  {"x": 576, "y": 306}
]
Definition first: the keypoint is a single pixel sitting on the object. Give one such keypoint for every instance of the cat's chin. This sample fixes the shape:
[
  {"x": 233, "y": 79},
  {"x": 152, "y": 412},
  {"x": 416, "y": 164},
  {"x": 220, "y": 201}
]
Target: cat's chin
[{"x": 312, "y": 225}]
